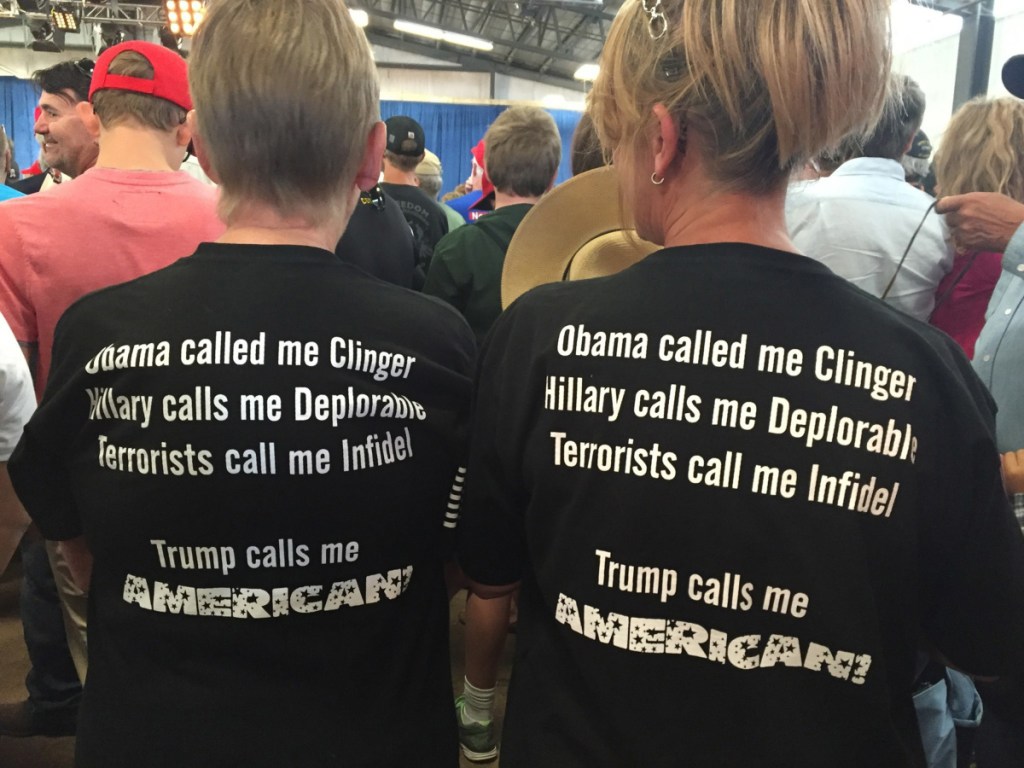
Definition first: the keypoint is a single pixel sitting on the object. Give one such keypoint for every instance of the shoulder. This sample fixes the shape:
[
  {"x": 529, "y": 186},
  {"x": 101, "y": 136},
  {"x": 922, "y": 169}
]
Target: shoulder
[
  {"x": 459, "y": 240},
  {"x": 26, "y": 221}
]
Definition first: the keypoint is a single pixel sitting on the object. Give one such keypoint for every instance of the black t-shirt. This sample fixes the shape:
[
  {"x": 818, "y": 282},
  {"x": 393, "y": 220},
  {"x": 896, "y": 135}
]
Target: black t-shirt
[
  {"x": 428, "y": 222},
  {"x": 259, "y": 443},
  {"x": 737, "y": 491},
  {"x": 378, "y": 240}
]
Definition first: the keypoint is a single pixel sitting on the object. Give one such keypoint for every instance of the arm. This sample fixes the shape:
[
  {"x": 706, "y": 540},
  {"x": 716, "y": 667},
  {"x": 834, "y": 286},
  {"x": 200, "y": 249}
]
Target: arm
[
  {"x": 491, "y": 592},
  {"x": 1013, "y": 480},
  {"x": 982, "y": 221}
]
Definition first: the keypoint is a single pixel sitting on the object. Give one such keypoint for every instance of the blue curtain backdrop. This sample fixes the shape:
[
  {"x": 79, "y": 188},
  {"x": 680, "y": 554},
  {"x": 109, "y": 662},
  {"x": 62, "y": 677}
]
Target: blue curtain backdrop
[
  {"x": 17, "y": 103},
  {"x": 452, "y": 130}
]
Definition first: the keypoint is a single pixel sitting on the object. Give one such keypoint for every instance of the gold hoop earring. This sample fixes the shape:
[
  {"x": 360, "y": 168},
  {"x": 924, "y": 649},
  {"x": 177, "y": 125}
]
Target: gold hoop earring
[{"x": 656, "y": 181}]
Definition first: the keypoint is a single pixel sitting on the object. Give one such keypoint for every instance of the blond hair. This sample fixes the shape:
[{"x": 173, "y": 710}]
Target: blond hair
[
  {"x": 522, "y": 150},
  {"x": 285, "y": 95},
  {"x": 114, "y": 107},
  {"x": 983, "y": 149},
  {"x": 766, "y": 83}
]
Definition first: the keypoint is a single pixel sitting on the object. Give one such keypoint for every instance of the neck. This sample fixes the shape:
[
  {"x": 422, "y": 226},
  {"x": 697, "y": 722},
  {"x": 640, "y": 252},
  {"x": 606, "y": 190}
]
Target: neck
[
  {"x": 501, "y": 199},
  {"x": 698, "y": 216},
  {"x": 131, "y": 148},
  {"x": 394, "y": 175},
  {"x": 88, "y": 161},
  {"x": 260, "y": 224}
]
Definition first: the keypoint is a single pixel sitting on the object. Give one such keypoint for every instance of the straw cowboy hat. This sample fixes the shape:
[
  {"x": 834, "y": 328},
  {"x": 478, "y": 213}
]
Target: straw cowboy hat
[{"x": 576, "y": 231}]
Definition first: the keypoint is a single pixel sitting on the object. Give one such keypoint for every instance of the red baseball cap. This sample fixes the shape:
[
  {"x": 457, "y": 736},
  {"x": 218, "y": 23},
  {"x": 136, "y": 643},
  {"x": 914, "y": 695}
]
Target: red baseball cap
[
  {"x": 486, "y": 187},
  {"x": 170, "y": 74}
]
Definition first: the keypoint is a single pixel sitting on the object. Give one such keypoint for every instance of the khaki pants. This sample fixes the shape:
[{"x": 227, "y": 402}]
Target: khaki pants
[{"x": 74, "y": 606}]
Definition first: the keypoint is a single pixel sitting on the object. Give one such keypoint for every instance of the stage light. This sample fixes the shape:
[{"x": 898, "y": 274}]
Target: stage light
[
  {"x": 361, "y": 18},
  {"x": 64, "y": 16},
  {"x": 183, "y": 16},
  {"x": 45, "y": 38}
]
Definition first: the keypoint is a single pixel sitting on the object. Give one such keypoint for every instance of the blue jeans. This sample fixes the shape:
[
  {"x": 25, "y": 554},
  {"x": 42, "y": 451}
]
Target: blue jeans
[{"x": 52, "y": 682}]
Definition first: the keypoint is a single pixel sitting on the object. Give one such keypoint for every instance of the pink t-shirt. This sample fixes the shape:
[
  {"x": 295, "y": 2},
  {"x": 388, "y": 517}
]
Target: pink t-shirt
[
  {"x": 105, "y": 227},
  {"x": 964, "y": 294}
]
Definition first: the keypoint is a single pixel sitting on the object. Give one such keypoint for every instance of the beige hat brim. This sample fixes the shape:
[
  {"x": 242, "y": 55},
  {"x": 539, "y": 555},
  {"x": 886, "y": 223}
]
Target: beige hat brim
[{"x": 576, "y": 231}]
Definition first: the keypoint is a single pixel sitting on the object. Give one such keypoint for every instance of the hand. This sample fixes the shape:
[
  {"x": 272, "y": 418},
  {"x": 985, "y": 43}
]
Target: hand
[
  {"x": 981, "y": 221},
  {"x": 1013, "y": 471}
]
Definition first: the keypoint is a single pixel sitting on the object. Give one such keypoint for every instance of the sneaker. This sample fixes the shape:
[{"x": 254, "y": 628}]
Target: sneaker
[{"x": 476, "y": 739}]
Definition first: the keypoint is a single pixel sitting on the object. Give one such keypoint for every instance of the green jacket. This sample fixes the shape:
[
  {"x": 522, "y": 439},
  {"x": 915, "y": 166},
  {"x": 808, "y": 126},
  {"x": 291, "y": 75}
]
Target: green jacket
[{"x": 467, "y": 264}]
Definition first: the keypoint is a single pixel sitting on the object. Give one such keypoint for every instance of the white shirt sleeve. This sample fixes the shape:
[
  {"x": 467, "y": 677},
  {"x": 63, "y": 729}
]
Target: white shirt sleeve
[{"x": 17, "y": 396}]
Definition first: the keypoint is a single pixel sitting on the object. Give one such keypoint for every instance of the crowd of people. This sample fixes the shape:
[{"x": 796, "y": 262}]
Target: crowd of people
[{"x": 749, "y": 501}]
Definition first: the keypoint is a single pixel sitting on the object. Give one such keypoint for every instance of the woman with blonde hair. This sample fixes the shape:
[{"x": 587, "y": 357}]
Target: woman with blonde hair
[
  {"x": 720, "y": 476},
  {"x": 982, "y": 151}
]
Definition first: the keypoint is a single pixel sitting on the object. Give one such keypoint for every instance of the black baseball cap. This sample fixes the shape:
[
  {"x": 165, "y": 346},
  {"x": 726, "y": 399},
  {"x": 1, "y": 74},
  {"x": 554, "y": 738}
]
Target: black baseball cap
[
  {"x": 405, "y": 136},
  {"x": 1013, "y": 75},
  {"x": 921, "y": 148}
]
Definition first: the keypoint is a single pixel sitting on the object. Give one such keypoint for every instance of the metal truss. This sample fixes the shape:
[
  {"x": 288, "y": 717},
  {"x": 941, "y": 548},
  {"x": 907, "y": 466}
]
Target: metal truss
[
  {"x": 542, "y": 36},
  {"x": 114, "y": 13},
  {"x": 124, "y": 13}
]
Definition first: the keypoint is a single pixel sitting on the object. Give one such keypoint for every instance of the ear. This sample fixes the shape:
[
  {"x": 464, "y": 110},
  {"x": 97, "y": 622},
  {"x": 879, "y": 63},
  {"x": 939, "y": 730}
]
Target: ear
[
  {"x": 192, "y": 122},
  {"x": 183, "y": 134},
  {"x": 88, "y": 117},
  {"x": 665, "y": 145},
  {"x": 369, "y": 167}
]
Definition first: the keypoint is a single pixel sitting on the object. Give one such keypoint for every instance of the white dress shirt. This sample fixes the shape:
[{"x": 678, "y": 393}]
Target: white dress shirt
[{"x": 859, "y": 221}]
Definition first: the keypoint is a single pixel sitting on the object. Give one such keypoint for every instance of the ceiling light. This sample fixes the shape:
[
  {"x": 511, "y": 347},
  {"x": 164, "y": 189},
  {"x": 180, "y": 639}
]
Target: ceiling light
[
  {"x": 433, "y": 33},
  {"x": 361, "y": 18},
  {"x": 587, "y": 72},
  {"x": 419, "y": 29},
  {"x": 466, "y": 41}
]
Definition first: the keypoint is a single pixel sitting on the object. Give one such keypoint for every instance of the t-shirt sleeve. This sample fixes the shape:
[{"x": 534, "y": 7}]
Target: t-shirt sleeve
[
  {"x": 39, "y": 467},
  {"x": 461, "y": 365},
  {"x": 17, "y": 396},
  {"x": 491, "y": 540},
  {"x": 972, "y": 548},
  {"x": 15, "y": 299}
]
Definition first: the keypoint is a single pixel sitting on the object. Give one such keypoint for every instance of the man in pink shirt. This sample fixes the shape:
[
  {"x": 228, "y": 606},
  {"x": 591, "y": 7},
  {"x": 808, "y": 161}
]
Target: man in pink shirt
[{"x": 133, "y": 212}]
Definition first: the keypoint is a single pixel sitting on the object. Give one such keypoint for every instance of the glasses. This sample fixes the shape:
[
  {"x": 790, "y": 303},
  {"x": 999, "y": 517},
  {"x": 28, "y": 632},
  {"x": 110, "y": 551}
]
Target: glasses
[{"x": 85, "y": 67}]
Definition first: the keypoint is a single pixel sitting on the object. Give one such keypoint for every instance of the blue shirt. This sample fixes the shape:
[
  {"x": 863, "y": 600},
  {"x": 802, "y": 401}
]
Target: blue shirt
[{"x": 999, "y": 352}]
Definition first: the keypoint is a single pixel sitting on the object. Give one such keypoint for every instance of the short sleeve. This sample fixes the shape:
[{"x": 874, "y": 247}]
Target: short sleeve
[
  {"x": 15, "y": 297},
  {"x": 17, "y": 396}
]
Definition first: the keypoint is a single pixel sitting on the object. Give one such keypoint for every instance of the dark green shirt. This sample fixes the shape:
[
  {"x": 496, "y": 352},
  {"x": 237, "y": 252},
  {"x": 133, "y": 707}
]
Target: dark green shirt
[{"x": 467, "y": 264}]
